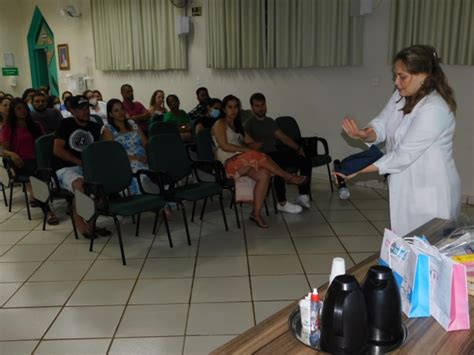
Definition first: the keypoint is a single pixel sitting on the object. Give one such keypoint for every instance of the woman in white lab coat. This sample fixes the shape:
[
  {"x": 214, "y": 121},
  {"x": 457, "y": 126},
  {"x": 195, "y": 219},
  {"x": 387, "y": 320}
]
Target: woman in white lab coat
[{"x": 417, "y": 126}]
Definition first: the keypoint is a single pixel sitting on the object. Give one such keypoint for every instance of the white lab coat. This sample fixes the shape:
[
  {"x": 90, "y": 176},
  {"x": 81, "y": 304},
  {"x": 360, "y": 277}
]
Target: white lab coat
[{"x": 423, "y": 181}]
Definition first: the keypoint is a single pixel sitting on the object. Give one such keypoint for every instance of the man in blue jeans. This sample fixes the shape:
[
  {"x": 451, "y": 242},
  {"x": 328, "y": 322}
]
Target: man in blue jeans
[{"x": 262, "y": 131}]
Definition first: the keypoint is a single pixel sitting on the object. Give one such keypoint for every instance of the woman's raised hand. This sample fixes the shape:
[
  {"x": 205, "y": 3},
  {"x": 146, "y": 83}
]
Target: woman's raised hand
[{"x": 349, "y": 125}]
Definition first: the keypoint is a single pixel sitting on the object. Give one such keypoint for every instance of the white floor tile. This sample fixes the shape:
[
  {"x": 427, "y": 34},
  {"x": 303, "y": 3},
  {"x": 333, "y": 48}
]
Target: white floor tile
[
  {"x": 113, "y": 269},
  {"x": 42, "y": 294},
  {"x": 267, "y": 246},
  {"x": 73, "y": 347},
  {"x": 61, "y": 270},
  {"x": 11, "y": 237},
  {"x": 17, "y": 347},
  {"x": 19, "y": 253},
  {"x": 318, "y": 245},
  {"x": 168, "y": 267},
  {"x": 102, "y": 292},
  {"x": 263, "y": 310},
  {"x": 157, "y": 291},
  {"x": 221, "y": 289},
  {"x": 17, "y": 272},
  {"x": 45, "y": 237},
  {"x": 215, "y": 266},
  {"x": 25, "y": 323},
  {"x": 147, "y": 346},
  {"x": 6, "y": 290},
  {"x": 219, "y": 318},
  {"x": 275, "y": 265},
  {"x": 279, "y": 287},
  {"x": 85, "y": 322},
  {"x": 156, "y": 320}
]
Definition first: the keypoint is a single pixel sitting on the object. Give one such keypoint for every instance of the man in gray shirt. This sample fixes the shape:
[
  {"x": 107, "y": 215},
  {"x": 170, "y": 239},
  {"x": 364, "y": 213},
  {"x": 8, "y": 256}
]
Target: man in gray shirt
[
  {"x": 262, "y": 131},
  {"x": 48, "y": 118}
]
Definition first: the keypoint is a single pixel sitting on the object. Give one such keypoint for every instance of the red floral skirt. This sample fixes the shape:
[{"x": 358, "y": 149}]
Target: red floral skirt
[{"x": 252, "y": 158}]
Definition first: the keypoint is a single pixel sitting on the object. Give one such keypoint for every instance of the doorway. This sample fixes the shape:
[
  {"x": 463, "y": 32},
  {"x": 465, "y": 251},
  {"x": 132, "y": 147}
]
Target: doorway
[{"x": 42, "y": 54}]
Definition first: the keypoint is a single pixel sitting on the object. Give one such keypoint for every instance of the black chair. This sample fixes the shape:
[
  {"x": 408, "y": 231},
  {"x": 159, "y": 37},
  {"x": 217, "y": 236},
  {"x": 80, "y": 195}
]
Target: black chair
[
  {"x": 168, "y": 155},
  {"x": 163, "y": 128},
  {"x": 310, "y": 144},
  {"x": 107, "y": 172},
  {"x": 44, "y": 146},
  {"x": 9, "y": 178}
]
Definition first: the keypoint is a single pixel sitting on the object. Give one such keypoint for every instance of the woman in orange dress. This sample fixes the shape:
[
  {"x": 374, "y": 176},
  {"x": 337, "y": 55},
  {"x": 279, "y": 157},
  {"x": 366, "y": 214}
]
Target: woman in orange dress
[{"x": 243, "y": 160}]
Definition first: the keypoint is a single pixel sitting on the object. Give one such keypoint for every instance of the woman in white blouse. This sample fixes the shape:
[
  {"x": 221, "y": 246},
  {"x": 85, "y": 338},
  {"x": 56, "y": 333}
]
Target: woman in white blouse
[{"x": 417, "y": 126}]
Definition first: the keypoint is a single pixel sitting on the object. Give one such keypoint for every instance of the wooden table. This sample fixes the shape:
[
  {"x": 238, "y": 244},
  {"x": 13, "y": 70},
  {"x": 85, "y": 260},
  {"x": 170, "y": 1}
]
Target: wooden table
[{"x": 425, "y": 335}]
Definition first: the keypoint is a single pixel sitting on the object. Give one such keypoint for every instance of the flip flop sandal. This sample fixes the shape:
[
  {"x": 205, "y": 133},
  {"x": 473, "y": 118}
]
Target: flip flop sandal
[
  {"x": 51, "y": 219},
  {"x": 258, "y": 223},
  {"x": 34, "y": 204}
]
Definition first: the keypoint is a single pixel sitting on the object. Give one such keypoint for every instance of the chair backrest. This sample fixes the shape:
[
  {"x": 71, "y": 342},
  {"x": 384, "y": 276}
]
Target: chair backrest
[
  {"x": 289, "y": 126},
  {"x": 157, "y": 117},
  {"x": 167, "y": 152},
  {"x": 204, "y": 145},
  {"x": 163, "y": 128},
  {"x": 44, "y": 151},
  {"x": 107, "y": 163},
  {"x": 97, "y": 119}
]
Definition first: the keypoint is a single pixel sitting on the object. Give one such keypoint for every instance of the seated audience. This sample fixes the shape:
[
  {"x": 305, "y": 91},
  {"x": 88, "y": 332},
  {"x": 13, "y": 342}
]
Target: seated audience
[
  {"x": 67, "y": 112},
  {"x": 53, "y": 102},
  {"x": 28, "y": 98},
  {"x": 263, "y": 130},
  {"x": 214, "y": 107},
  {"x": 4, "y": 106},
  {"x": 98, "y": 95},
  {"x": 44, "y": 90},
  {"x": 157, "y": 103},
  {"x": 63, "y": 98},
  {"x": 241, "y": 160},
  {"x": 73, "y": 135},
  {"x": 134, "y": 109},
  {"x": 201, "y": 109},
  {"x": 178, "y": 117},
  {"x": 48, "y": 118},
  {"x": 129, "y": 135},
  {"x": 98, "y": 108},
  {"x": 18, "y": 141}
]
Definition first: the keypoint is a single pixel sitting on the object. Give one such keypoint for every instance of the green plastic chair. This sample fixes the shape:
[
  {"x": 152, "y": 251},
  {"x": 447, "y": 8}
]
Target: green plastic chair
[
  {"x": 107, "y": 172},
  {"x": 168, "y": 155}
]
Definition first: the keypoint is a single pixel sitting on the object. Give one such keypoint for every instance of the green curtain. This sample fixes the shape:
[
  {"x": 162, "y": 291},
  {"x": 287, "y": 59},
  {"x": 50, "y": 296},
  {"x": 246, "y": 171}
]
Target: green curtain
[
  {"x": 448, "y": 25},
  {"x": 235, "y": 33},
  {"x": 137, "y": 35},
  {"x": 282, "y": 34}
]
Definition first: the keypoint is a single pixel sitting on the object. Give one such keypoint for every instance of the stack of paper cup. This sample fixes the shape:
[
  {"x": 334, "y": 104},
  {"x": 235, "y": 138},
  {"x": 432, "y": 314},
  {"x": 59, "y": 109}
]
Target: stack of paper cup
[{"x": 338, "y": 268}]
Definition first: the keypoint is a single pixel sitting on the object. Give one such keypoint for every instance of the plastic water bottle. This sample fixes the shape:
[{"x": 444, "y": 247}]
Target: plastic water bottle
[
  {"x": 314, "y": 313},
  {"x": 344, "y": 193}
]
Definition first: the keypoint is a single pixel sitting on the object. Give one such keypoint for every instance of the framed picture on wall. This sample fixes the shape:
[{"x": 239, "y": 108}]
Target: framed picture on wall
[{"x": 63, "y": 57}]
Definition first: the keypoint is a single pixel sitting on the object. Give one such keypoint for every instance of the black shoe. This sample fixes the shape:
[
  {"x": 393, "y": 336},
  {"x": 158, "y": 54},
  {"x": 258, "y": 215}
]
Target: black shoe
[{"x": 102, "y": 232}]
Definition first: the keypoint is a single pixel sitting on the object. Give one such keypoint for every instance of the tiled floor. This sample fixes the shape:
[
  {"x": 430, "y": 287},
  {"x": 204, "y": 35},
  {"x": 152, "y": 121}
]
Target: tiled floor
[{"x": 56, "y": 297}]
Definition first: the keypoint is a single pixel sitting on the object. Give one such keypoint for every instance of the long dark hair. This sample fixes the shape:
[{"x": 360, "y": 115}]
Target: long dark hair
[
  {"x": 31, "y": 125},
  {"x": 111, "y": 120},
  {"x": 238, "y": 121},
  {"x": 424, "y": 59}
]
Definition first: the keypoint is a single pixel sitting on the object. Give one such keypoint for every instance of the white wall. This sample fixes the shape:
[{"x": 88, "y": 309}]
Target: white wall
[{"x": 317, "y": 97}]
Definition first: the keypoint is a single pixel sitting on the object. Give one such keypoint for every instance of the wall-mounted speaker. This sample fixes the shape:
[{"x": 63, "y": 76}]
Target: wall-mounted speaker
[{"x": 182, "y": 25}]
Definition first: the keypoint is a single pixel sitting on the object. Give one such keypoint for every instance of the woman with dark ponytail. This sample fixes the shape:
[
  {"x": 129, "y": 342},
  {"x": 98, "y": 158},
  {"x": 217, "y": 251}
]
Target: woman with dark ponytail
[{"x": 417, "y": 126}]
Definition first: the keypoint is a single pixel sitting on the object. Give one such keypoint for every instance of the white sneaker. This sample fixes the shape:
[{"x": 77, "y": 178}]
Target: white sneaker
[
  {"x": 289, "y": 207},
  {"x": 303, "y": 200}
]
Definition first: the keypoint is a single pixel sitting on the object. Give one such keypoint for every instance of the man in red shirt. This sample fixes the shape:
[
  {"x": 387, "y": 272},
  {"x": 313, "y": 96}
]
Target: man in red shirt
[{"x": 134, "y": 109}]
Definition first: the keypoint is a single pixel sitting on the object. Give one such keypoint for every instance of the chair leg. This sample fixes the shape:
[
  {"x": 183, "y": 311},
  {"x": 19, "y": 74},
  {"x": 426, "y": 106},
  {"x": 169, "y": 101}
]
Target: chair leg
[
  {"x": 138, "y": 225},
  {"x": 203, "y": 208},
  {"x": 133, "y": 219},
  {"x": 223, "y": 213},
  {"x": 74, "y": 228},
  {"x": 236, "y": 211},
  {"x": 194, "y": 210},
  {"x": 45, "y": 213},
  {"x": 27, "y": 202},
  {"x": 167, "y": 228},
  {"x": 155, "y": 222},
  {"x": 11, "y": 197},
  {"x": 330, "y": 178},
  {"x": 4, "y": 196},
  {"x": 119, "y": 234},
  {"x": 91, "y": 244},
  {"x": 186, "y": 223},
  {"x": 272, "y": 189}
]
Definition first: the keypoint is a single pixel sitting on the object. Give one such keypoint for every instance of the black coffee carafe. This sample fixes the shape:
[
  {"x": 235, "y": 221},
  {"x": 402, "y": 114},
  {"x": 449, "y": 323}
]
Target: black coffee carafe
[
  {"x": 344, "y": 318},
  {"x": 383, "y": 308}
]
